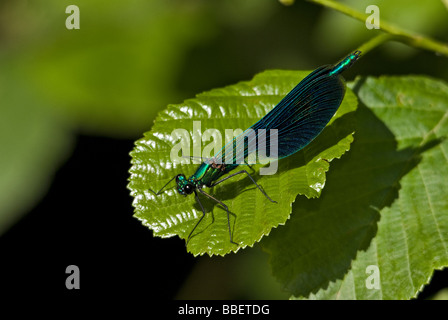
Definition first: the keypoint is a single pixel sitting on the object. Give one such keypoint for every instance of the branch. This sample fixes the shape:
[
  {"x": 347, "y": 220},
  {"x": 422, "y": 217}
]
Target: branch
[{"x": 394, "y": 32}]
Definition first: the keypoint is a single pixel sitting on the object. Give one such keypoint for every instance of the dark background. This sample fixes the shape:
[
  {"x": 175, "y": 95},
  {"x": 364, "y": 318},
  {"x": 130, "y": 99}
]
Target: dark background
[{"x": 68, "y": 227}]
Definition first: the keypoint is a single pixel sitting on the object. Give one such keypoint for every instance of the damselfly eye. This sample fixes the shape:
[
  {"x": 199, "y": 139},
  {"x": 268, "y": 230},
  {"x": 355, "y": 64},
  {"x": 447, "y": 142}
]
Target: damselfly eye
[
  {"x": 180, "y": 177},
  {"x": 188, "y": 188}
]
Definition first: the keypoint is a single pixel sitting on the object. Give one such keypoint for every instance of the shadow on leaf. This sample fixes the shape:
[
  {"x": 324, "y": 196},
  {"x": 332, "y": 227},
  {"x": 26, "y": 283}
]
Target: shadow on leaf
[{"x": 324, "y": 235}]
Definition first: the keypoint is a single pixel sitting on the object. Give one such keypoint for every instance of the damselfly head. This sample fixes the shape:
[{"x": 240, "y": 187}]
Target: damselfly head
[
  {"x": 180, "y": 177},
  {"x": 184, "y": 187}
]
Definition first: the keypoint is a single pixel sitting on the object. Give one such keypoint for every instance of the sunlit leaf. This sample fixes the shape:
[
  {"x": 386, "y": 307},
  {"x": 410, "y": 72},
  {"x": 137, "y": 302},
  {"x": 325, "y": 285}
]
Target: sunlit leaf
[{"x": 253, "y": 216}]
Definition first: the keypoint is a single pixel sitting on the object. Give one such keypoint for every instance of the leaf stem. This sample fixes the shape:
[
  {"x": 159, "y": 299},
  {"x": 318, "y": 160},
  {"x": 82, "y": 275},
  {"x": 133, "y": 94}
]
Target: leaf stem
[
  {"x": 375, "y": 42},
  {"x": 395, "y": 32}
]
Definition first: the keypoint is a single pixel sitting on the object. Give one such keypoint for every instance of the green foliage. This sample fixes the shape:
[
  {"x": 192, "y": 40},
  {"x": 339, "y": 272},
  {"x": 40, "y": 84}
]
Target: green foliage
[
  {"x": 429, "y": 20},
  {"x": 112, "y": 75},
  {"x": 385, "y": 204},
  {"x": 33, "y": 141},
  {"x": 253, "y": 216}
]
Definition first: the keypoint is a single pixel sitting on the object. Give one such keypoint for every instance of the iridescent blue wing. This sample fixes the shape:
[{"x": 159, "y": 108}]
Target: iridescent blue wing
[
  {"x": 299, "y": 117},
  {"x": 305, "y": 111}
]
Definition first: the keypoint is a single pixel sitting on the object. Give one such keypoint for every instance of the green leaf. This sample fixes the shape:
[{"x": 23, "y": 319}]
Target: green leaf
[
  {"x": 385, "y": 204},
  {"x": 253, "y": 216}
]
